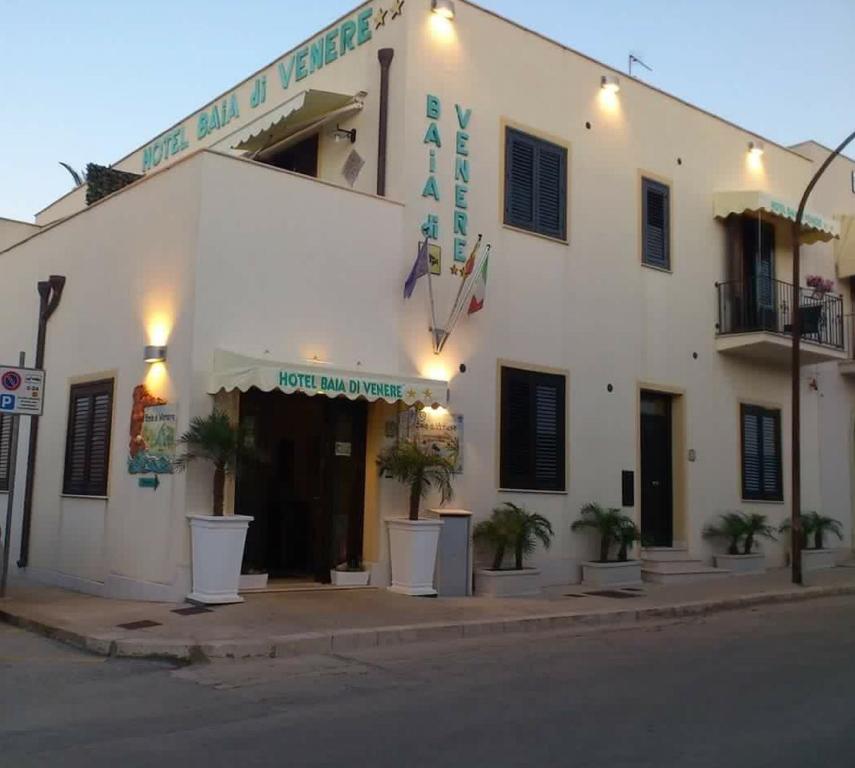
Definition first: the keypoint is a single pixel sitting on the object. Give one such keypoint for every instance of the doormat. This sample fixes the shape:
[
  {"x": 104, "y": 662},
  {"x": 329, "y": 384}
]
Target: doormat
[
  {"x": 192, "y": 610},
  {"x": 144, "y": 624},
  {"x": 574, "y": 594},
  {"x": 616, "y": 593}
]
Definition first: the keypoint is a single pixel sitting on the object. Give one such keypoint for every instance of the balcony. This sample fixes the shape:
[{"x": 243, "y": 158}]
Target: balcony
[{"x": 755, "y": 321}]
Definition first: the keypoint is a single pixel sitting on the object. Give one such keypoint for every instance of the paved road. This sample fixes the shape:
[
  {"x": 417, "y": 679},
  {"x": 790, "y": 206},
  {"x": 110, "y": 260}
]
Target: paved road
[{"x": 768, "y": 687}]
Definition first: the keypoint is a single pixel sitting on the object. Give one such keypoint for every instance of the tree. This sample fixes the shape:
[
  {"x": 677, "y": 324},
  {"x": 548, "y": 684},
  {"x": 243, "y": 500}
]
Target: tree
[
  {"x": 419, "y": 470},
  {"x": 608, "y": 523},
  {"x": 513, "y": 527},
  {"x": 215, "y": 439}
]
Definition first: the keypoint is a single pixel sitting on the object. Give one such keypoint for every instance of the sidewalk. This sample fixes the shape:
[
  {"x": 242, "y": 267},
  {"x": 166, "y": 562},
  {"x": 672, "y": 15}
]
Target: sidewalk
[{"x": 282, "y": 624}]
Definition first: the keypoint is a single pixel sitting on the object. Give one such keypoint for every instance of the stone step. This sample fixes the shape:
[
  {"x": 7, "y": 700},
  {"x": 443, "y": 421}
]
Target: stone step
[
  {"x": 689, "y": 572},
  {"x": 673, "y": 566},
  {"x": 661, "y": 554}
]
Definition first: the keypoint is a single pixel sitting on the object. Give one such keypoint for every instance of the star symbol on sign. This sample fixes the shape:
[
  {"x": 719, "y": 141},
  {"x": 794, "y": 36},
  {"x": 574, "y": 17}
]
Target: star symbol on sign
[
  {"x": 428, "y": 394},
  {"x": 380, "y": 19},
  {"x": 398, "y": 9},
  {"x": 411, "y": 394}
]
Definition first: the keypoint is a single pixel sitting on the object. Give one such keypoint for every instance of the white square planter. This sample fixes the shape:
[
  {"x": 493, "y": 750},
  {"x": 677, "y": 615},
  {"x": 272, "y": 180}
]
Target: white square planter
[
  {"x": 818, "y": 559},
  {"x": 753, "y": 563},
  {"x": 413, "y": 545},
  {"x": 253, "y": 581},
  {"x": 217, "y": 552},
  {"x": 614, "y": 574},
  {"x": 350, "y": 578},
  {"x": 507, "y": 583}
]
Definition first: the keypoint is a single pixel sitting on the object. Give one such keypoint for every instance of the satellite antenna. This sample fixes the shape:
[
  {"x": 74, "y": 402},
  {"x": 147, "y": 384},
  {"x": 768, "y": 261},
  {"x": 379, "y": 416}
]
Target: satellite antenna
[{"x": 633, "y": 59}]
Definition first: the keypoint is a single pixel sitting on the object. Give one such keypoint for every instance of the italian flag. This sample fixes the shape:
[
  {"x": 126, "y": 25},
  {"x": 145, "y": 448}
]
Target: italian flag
[{"x": 479, "y": 289}]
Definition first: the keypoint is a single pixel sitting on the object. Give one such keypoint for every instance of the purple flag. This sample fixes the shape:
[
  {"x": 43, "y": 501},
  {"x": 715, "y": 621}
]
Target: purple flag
[{"x": 420, "y": 269}]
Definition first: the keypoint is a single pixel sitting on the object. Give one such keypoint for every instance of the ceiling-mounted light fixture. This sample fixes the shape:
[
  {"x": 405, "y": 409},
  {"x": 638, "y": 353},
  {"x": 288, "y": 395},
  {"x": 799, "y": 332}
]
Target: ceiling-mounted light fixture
[
  {"x": 444, "y": 8},
  {"x": 610, "y": 83},
  {"x": 756, "y": 148},
  {"x": 340, "y": 134},
  {"x": 154, "y": 353}
]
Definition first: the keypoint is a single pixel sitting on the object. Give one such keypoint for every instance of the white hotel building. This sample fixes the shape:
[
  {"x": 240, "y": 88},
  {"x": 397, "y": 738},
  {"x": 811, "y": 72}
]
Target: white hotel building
[{"x": 633, "y": 349}]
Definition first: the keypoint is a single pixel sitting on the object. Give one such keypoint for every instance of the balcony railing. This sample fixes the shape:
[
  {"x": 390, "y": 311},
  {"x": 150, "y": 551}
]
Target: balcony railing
[{"x": 766, "y": 305}]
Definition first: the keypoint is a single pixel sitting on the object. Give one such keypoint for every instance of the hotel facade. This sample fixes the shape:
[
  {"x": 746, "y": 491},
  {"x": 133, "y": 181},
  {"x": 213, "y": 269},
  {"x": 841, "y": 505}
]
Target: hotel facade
[{"x": 633, "y": 348}]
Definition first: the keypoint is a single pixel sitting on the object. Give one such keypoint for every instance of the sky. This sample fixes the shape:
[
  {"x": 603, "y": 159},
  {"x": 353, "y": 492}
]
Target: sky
[{"x": 90, "y": 80}]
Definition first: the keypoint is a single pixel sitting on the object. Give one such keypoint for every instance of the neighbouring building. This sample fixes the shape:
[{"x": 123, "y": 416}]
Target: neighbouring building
[{"x": 633, "y": 348}]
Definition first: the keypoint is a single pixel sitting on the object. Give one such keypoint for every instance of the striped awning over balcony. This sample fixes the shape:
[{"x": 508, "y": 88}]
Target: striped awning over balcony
[{"x": 815, "y": 227}]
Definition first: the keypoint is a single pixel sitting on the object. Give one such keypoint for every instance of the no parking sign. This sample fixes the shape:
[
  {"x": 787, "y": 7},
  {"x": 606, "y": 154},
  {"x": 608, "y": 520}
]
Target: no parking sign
[{"x": 21, "y": 391}]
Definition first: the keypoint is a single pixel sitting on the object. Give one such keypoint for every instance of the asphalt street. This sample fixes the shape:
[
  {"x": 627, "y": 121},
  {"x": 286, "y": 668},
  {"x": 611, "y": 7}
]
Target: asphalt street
[{"x": 774, "y": 686}]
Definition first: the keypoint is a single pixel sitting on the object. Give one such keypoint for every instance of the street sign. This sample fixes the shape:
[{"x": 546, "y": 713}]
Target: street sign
[{"x": 21, "y": 391}]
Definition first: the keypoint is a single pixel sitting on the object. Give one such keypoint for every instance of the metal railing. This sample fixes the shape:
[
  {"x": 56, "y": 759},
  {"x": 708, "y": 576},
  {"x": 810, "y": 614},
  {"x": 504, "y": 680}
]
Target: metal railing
[{"x": 762, "y": 304}]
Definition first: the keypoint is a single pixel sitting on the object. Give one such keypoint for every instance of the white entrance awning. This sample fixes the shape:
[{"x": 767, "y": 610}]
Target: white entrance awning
[
  {"x": 307, "y": 110},
  {"x": 237, "y": 372},
  {"x": 815, "y": 228}
]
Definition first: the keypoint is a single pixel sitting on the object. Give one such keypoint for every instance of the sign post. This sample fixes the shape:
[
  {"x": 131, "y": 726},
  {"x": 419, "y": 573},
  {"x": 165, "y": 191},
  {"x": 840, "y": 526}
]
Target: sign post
[{"x": 21, "y": 394}]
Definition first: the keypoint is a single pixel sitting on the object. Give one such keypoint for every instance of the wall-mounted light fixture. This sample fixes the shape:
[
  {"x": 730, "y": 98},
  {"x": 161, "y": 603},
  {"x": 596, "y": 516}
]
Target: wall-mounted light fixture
[
  {"x": 756, "y": 148},
  {"x": 154, "y": 354},
  {"x": 610, "y": 83},
  {"x": 341, "y": 134},
  {"x": 444, "y": 8}
]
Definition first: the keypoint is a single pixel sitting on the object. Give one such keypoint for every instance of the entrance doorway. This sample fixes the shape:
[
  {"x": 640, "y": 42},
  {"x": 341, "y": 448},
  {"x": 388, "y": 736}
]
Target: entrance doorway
[
  {"x": 657, "y": 494},
  {"x": 307, "y": 495}
]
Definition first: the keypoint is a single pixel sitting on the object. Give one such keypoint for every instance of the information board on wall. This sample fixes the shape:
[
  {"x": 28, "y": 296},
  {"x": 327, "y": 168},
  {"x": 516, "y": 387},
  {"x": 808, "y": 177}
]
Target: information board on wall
[{"x": 436, "y": 430}]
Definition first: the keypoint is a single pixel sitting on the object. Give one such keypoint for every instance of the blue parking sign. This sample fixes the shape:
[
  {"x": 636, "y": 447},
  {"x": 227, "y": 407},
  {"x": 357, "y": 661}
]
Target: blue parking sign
[{"x": 7, "y": 402}]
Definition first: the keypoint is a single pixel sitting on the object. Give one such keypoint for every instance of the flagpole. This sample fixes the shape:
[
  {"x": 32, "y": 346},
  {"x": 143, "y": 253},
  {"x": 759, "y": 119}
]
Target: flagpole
[
  {"x": 432, "y": 304},
  {"x": 454, "y": 307}
]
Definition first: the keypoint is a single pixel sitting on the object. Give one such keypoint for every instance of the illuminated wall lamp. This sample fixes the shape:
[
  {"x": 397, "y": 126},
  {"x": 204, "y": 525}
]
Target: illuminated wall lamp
[
  {"x": 444, "y": 8},
  {"x": 154, "y": 354},
  {"x": 756, "y": 148},
  {"x": 610, "y": 83}
]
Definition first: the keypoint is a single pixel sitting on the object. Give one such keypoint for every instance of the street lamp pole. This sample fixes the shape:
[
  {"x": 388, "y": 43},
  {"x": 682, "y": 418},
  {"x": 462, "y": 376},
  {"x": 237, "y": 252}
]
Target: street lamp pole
[{"x": 795, "y": 464}]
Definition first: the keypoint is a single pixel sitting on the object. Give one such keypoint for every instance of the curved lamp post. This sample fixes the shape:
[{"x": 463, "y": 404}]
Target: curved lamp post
[{"x": 796, "y": 520}]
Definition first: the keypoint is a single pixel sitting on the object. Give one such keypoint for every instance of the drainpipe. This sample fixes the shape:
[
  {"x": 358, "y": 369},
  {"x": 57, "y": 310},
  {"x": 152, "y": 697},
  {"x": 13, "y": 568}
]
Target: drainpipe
[
  {"x": 50, "y": 293},
  {"x": 385, "y": 56}
]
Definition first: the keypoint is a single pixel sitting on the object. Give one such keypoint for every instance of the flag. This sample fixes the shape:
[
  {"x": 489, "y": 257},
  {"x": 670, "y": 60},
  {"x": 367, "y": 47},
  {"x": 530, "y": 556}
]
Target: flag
[
  {"x": 469, "y": 267},
  {"x": 420, "y": 269},
  {"x": 479, "y": 289}
]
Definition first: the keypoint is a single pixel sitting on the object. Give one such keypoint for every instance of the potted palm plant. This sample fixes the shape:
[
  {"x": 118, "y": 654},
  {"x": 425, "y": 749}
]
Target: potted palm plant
[
  {"x": 413, "y": 541},
  {"x": 514, "y": 530},
  {"x": 217, "y": 540},
  {"x": 815, "y": 526},
  {"x": 613, "y": 527},
  {"x": 741, "y": 531}
]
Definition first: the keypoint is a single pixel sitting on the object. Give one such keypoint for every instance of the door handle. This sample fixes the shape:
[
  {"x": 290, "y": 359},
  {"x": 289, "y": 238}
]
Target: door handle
[{"x": 654, "y": 483}]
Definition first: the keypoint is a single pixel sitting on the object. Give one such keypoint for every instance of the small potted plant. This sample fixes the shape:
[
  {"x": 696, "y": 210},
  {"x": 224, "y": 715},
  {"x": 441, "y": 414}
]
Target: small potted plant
[
  {"x": 740, "y": 529},
  {"x": 613, "y": 527},
  {"x": 217, "y": 540},
  {"x": 350, "y": 575},
  {"x": 511, "y": 529},
  {"x": 815, "y": 556},
  {"x": 413, "y": 541}
]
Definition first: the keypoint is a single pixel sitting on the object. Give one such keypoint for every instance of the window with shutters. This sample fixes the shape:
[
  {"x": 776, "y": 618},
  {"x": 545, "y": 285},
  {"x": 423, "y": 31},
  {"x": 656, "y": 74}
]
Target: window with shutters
[
  {"x": 532, "y": 431},
  {"x": 87, "y": 447},
  {"x": 761, "y": 454},
  {"x": 656, "y": 224},
  {"x": 535, "y": 184},
  {"x": 5, "y": 450}
]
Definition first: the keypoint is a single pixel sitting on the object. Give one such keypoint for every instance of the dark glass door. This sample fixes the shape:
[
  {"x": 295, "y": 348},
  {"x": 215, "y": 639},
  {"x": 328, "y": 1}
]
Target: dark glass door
[
  {"x": 343, "y": 475},
  {"x": 758, "y": 260},
  {"x": 657, "y": 519}
]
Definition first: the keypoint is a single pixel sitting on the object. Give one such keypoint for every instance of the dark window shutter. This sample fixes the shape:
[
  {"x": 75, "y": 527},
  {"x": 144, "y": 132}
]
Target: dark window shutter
[
  {"x": 87, "y": 452},
  {"x": 535, "y": 184},
  {"x": 551, "y": 190},
  {"x": 761, "y": 454},
  {"x": 5, "y": 450},
  {"x": 656, "y": 219},
  {"x": 532, "y": 451}
]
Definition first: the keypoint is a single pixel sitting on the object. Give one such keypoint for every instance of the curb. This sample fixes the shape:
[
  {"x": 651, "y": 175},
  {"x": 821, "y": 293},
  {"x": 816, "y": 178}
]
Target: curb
[{"x": 349, "y": 640}]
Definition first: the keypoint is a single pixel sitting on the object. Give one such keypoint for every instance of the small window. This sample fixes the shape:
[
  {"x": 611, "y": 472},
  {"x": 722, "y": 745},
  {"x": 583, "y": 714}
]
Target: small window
[
  {"x": 761, "y": 454},
  {"x": 5, "y": 450},
  {"x": 531, "y": 445},
  {"x": 87, "y": 448},
  {"x": 535, "y": 185},
  {"x": 656, "y": 224}
]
